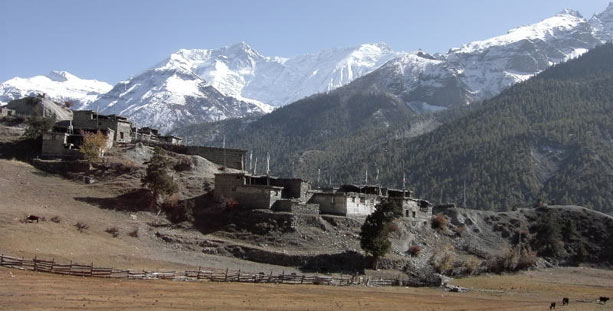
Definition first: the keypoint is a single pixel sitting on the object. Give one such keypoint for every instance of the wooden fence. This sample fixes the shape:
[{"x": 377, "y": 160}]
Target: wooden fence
[{"x": 50, "y": 266}]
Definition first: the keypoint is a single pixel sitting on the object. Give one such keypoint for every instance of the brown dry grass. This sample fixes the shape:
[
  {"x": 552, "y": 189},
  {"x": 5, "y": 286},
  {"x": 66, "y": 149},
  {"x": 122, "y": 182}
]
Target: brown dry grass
[{"x": 40, "y": 291}]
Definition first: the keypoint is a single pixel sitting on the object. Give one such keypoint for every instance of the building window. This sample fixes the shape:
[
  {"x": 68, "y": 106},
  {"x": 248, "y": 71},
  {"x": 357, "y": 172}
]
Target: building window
[
  {"x": 413, "y": 214},
  {"x": 121, "y": 135},
  {"x": 406, "y": 214}
]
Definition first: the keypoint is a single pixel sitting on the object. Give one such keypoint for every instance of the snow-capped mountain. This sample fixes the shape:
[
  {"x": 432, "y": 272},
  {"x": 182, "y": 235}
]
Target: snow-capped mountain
[
  {"x": 241, "y": 72},
  {"x": 60, "y": 86},
  {"x": 482, "y": 69},
  {"x": 166, "y": 97},
  {"x": 200, "y": 85}
]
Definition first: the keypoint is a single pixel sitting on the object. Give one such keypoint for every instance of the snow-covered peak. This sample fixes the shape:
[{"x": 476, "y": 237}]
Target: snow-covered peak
[
  {"x": 602, "y": 23},
  {"x": 60, "y": 76},
  {"x": 562, "y": 22},
  {"x": 58, "y": 85},
  {"x": 570, "y": 12}
]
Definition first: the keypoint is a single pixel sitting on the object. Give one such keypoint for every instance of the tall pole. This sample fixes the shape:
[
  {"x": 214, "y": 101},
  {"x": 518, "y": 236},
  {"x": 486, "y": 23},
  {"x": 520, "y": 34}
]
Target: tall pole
[
  {"x": 255, "y": 167},
  {"x": 250, "y": 161},
  {"x": 366, "y": 178},
  {"x": 267, "y": 163},
  {"x": 404, "y": 184},
  {"x": 224, "y": 150},
  {"x": 464, "y": 194},
  {"x": 318, "y": 176}
]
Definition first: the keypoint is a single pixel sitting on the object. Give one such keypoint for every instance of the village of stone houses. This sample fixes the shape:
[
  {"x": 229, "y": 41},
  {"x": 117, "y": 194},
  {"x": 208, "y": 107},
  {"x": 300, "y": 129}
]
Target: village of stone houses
[{"x": 94, "y": 195}]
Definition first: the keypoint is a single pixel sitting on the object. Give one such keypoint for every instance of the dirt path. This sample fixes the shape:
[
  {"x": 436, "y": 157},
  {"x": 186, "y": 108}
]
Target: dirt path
[{"x": 23, "y": 290}]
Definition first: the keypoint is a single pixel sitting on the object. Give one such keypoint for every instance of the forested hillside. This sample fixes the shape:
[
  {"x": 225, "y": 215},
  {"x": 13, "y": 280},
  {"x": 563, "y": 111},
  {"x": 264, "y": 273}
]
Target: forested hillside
[{"x": 548, "y": 138}]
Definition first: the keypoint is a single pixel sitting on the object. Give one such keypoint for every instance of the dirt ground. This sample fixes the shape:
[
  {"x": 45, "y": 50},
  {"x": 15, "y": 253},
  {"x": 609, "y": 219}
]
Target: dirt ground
[
  {"x": 24, "y": 290},
  {"x": 26, "y": 190}
]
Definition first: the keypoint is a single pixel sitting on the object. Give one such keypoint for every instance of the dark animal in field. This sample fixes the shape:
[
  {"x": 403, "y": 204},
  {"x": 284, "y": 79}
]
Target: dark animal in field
[
  {"x": 32, "y": 218},
  {"x": 564, "y": 301},
  {"x": 552, "y": 306},
  {"x": 603, "y": 300}
]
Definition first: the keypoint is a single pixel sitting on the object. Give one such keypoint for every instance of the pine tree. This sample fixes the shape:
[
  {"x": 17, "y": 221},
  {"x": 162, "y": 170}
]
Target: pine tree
[
  {"x": 374, "y": 235},
  {"x": 38, "y": 125},
  {"x": 157, "y": 179}
]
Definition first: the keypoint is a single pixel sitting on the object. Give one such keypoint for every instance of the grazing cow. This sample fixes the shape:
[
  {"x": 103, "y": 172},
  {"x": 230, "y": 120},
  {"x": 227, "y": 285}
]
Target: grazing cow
[
  {"x": 32, "y": 218},
  {"x": 603, "y": 300},
  {"x": 552, "y": 306},
  {"x": 564, "y": 301}
]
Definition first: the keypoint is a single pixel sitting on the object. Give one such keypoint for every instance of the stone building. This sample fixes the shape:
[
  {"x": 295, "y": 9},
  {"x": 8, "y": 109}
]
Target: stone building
[
  {"x": 5, "y": 112},
  {"x": 261, "y": 192},
  {"x": 66, "y": 145},
  {"x": 91, "y": 120},
  {"x": 348, "y": 200},
  {"x": 170, "y": 139},
  {"x": 354, "y": 200},
  {"x": 39, "y": 106},
  {"x": 147, "y": 134},
  {"x": 295, "y": 195}
]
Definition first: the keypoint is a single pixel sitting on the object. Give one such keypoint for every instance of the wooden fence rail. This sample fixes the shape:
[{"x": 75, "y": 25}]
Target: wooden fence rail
[{"x": 50, "y": 266}]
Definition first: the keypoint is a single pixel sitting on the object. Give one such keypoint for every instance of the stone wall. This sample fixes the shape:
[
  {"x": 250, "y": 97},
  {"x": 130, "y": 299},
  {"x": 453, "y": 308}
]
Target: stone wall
[
  {"x": 232, "y": 158},
  {"x": 360, "y": 204},
  {"x": 225, "y": 184},
  {"x": 295, "y": 207},
  {"x": 293, "y": 188},
  {"x": 55, "y": 145},
  {"x": 330, "y": 203},
  {"x": 256, "y": 197}
]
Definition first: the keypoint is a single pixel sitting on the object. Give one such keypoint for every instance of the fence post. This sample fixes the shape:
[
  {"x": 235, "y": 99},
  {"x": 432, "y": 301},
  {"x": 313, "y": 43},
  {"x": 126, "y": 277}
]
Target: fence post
[
  {"x": 52, "y": 264},
  {"x": 198, "y": 275},
  {"x": 270, "y": 276},
  {"x": 34, "y": 263},
  {"x": 1, "y": 260},
  {"x": 302, "y": 281},
  {"x": 226, "y": 278},
  {"x": 282, "y": 276},
  {"x": 91, "y": 269},
  {"x": 238, "y": 278}
]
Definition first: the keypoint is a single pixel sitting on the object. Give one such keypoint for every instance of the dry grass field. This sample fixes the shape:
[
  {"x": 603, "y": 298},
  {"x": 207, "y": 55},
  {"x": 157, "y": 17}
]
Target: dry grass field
[{"x": 24, "y": 290}]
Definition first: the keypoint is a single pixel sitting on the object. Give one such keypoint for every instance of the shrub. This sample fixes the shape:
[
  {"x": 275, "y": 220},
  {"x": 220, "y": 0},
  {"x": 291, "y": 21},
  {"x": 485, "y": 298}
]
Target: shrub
[
  {"x": 183, "y": 164},
  {"x": 81, "y": 226},
  {"x": 471, "y": 264},
  {"x": 56, "y": 219},
  {"x": 177, "y": 210},
  {"x": 460, "y": 230},
  {"x": 230, "y": 203},
  {"x": 94, "y": 146},
  {"x": 443, "y": 259},
  {"x": 133, "y": 233},
  {"x": 514, "y": 259},
  {"x": 114, "y": 231},
  {"x": 414, "y": 250},
  {"x": 439, "y": 221}
]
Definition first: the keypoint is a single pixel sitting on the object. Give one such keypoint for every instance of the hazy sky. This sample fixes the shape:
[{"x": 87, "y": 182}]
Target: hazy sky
[{"x": 114, "y": 39}]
